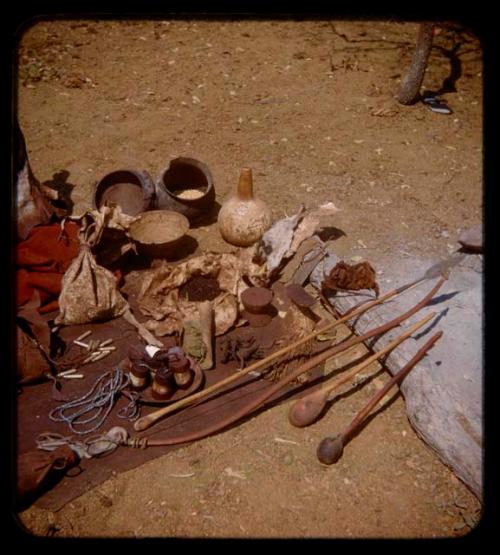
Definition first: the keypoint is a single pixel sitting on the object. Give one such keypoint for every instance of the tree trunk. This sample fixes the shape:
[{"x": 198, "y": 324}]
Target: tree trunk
[{"x": 410, "y": 88}]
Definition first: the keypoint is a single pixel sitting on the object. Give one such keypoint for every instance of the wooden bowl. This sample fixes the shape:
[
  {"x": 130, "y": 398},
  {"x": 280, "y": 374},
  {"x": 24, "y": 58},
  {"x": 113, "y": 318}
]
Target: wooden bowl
[{"x": 158, "y": 233}]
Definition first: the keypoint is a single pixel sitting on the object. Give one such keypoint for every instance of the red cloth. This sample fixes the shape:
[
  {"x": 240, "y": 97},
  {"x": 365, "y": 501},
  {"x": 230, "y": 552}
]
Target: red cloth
[{"x": 42, "y": 259}]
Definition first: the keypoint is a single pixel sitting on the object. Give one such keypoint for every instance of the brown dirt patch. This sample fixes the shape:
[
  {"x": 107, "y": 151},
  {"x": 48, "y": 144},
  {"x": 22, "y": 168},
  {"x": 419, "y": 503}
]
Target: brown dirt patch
[{"x": 308, "y": 106}]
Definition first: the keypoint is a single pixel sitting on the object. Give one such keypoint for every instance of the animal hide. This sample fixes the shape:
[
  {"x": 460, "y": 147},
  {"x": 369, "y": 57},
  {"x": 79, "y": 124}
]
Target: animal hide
[
  {"x": 31, "y": 364},
  {"x": 351, "y": 277},
  {"x": 32, "y": 203},
  {"x": 33, "y": 344},
  {"x": 36, "y": 470},
  {"x": 159, "y": 296},
  {"x": 280, "y": 243}
]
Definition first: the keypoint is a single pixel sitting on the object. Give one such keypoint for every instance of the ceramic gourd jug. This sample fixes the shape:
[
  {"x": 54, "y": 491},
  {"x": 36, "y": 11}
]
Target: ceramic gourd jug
[{"x": 243, "y": 219}]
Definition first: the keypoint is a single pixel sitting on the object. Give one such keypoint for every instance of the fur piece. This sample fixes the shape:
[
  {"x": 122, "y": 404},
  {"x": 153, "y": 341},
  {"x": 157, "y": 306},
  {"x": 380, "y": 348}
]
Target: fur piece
[
  {"x": 32, "y": 202},
  {"x": 351, "y": 277}
]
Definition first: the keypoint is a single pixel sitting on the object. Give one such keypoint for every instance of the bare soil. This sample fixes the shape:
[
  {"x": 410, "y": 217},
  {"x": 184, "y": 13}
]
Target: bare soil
[{"x": 309, "y": 106}]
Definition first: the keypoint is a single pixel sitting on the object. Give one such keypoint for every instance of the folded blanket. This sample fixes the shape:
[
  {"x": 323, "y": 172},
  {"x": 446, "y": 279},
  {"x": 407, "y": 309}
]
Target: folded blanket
[{"x": 41, "y": 261}]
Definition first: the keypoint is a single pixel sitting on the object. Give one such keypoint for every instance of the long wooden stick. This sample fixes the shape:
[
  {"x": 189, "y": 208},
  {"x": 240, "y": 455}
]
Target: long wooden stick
[
  {"x": 150, "y": 419},
  {"x": 327, "y": 389},
  {"x": 146, "y": 421},
  {"x": 396, "y": 379},
  {"x": 307, "y": 409},
  {"x": 330, "y": 449}
]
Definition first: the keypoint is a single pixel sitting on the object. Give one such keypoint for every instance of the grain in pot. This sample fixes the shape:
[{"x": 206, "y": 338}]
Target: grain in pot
[{"x": 190, "y": 194}]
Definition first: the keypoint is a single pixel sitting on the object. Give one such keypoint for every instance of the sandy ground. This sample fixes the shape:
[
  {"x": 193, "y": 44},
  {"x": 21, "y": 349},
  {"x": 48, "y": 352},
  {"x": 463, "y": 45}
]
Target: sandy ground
[{"x": 308, "y": 105}]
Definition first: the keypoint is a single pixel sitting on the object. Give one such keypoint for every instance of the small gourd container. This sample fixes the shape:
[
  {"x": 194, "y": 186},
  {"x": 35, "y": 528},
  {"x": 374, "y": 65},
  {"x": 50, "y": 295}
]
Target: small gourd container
[
  {"x": 243, "y": 218},
  {"x": 163, "y": 384},
  {"x": 139, "y": 376},
  {"x": 180, "y": 366}
]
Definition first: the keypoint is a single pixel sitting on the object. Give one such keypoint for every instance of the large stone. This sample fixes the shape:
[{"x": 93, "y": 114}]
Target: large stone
[{"x": 444, "y": 392}]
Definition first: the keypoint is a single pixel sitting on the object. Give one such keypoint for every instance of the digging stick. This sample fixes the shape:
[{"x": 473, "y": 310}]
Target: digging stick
[
  {"x": 207, "y": 331},
  {"x": 306, "y": 410},
  {"x": 330, "y": 449}
]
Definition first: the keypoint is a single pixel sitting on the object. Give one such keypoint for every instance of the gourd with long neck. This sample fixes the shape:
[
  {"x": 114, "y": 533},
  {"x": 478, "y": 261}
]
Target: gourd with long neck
[{"x": 243, "y": 219}]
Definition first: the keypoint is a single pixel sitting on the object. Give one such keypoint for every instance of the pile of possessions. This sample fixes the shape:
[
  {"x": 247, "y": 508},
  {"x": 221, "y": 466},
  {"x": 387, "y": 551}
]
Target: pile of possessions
[{"x": 189, "y": 329}]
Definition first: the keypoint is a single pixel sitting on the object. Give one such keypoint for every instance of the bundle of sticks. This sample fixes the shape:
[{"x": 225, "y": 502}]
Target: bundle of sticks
[{"x": 307, "y": 409}]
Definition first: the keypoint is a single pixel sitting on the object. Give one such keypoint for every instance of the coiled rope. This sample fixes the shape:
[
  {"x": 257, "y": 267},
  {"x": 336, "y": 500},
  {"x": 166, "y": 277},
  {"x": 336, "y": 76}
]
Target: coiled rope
[{"x": 98, "y": 402}]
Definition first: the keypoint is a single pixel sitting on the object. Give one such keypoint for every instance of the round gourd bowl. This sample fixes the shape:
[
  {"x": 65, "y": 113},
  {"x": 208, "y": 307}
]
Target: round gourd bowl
[{"x": 158, "y": 233}]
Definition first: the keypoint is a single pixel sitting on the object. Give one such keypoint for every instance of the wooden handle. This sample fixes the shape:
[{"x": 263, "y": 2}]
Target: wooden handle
[
  {"x": 363, "y": 413},
  {"x": 393, "y": 344},
  {"x": 207, "y": 333}
]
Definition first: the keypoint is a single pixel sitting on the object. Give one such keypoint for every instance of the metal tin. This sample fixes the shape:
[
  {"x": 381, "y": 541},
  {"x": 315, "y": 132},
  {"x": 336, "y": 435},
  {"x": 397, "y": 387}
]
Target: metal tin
[
  {"x": 257, "y": 303},
  {"x": 256, "y": 299}
]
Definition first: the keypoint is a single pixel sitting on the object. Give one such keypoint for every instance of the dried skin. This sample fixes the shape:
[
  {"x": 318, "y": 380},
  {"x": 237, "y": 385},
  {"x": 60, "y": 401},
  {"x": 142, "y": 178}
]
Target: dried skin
[
  {"x": 161, "y": 295},
  {"x": 33, "y": 208},
  {"x": 349, "y": 277},
  {"x": 241, "y": 349}
]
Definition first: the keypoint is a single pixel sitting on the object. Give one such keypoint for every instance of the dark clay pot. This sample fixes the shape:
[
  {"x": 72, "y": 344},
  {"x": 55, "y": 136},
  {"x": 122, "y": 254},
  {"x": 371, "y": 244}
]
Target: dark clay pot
[
  {"x": 182, "y": 174},
  {"x": 132, "y": 190}
]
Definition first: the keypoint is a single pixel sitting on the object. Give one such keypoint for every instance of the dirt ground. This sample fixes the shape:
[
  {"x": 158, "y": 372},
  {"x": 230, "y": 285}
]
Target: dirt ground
[{"x": 308, "y": 105}]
